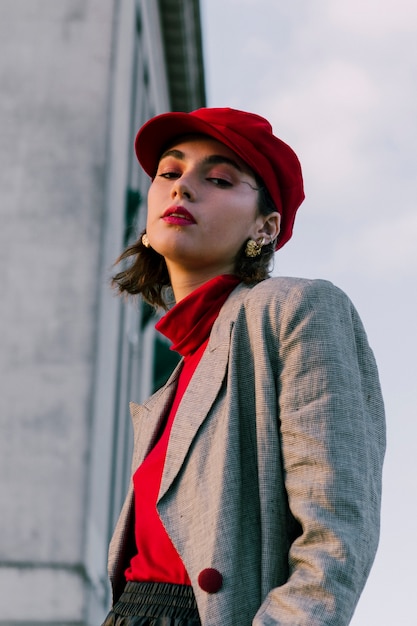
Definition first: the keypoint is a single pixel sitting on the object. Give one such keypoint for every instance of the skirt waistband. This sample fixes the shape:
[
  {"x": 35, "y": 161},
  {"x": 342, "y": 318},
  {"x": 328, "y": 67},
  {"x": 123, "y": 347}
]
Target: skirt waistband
[{"x": 157, "y": 599}]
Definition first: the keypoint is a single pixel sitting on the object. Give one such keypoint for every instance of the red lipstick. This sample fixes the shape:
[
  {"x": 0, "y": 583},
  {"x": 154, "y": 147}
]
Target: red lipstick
[{"x": 178, "y": 215}]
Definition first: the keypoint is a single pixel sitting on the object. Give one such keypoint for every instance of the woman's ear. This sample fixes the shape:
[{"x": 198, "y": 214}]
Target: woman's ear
[{"x": 269, "y": 226}]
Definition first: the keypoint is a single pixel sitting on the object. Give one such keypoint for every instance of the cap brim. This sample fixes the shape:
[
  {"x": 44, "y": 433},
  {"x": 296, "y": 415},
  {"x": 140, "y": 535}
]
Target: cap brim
[{"x": 159, "y": 133}]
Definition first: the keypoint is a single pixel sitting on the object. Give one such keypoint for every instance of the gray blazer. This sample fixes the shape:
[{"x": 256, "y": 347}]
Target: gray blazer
[{"x": 273, "y": 469}]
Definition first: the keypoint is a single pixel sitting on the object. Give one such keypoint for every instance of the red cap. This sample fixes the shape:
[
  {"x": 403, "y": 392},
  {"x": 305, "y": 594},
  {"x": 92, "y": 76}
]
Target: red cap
[{"x": 249, "y": 136}]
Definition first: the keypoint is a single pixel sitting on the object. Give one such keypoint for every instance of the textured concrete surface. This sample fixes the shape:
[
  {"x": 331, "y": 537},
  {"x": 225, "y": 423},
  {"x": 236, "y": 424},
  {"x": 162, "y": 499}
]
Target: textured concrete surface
[{"x": 54, "y": 81}]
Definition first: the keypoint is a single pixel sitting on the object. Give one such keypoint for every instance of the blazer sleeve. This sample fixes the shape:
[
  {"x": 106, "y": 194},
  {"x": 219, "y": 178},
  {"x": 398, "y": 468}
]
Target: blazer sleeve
[{"x": 333, "y": 442}]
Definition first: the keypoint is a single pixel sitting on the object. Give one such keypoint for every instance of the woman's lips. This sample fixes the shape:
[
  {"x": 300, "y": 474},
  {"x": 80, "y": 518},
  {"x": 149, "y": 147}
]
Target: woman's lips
[{"x": 178, "y": 215}]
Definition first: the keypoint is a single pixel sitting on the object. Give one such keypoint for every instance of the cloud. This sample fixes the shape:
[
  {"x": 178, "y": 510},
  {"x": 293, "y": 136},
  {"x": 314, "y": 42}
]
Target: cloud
[
  {"x": 374, "y": 18},
  {"x": 382, "y": 248}
]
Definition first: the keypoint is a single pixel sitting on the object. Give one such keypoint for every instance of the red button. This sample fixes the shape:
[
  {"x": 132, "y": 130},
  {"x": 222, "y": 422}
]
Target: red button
[{"x": 210, "y": 580}]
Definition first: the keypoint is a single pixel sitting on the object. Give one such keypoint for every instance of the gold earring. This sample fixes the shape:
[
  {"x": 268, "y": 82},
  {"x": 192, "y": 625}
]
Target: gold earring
[
  {"x": 145, "y": 240},
  {"x": 253, "y": 248}
]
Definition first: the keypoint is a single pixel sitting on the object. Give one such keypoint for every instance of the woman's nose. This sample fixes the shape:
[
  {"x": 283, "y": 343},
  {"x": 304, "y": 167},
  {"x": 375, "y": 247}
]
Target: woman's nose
[{"x": 182, "y": 188}]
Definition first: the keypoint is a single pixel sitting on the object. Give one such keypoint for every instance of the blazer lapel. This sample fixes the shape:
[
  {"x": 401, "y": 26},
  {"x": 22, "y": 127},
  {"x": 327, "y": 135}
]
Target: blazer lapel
[
  {"x": 147, "y": 418},
  {"x": 209, "y": 375}
]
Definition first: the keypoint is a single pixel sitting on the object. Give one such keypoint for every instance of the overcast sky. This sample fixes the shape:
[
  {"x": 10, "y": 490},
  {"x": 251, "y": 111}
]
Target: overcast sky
[{"x": 338, "y": 82}]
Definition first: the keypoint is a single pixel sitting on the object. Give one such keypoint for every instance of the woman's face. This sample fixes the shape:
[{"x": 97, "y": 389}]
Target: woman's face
[{"x": 202, "y": 207}]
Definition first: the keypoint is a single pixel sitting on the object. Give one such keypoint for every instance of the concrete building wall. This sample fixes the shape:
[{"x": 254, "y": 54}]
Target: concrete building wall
[
  {"x": 77, "y": 77},
  {"x": 54, "y": 79}
]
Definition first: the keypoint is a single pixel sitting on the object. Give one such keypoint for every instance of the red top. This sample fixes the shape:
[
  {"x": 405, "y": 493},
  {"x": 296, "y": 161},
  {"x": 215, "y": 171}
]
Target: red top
[{"x": 188, "y": 325}]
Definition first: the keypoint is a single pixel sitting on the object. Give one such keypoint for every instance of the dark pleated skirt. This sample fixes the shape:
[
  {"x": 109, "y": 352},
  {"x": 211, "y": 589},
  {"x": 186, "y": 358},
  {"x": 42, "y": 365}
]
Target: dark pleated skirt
[{"x": 154, "y": 604}]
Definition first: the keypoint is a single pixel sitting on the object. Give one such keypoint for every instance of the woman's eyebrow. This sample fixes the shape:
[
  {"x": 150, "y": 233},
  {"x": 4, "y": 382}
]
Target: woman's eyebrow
[
  {"x": 219, "y": 159},
  {"x": 212, "y": 159},
  {"x": 174, "y": 153}
]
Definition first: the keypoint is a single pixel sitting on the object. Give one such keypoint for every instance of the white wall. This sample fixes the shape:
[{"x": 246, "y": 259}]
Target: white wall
[{"x": 54, "y": 80}]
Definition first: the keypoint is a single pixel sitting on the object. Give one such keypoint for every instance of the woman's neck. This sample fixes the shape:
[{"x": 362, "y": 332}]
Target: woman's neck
[{"x": 184, "y": 282}]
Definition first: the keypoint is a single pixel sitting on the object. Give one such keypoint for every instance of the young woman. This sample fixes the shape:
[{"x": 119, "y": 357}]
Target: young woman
[{"x": 256, "y": 485}]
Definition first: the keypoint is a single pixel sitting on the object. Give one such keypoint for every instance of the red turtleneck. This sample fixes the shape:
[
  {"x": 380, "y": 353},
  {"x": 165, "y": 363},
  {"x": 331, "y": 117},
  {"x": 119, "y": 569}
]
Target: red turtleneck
[{"x": 188, "y": 325}]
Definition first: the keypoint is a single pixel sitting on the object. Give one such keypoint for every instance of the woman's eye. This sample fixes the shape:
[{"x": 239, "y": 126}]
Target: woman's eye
[
  {"x": 220, "y": 182},
  {"x": 169, "y": 175}
]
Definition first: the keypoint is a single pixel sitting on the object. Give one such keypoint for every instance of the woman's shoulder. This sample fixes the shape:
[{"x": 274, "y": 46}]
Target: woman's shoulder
[
  {"x": 282, "y": 304},
  {"x": 284, "y": 298},
  {"x": 289, "y": 288},
  {"x": 290, "y": 296}
]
